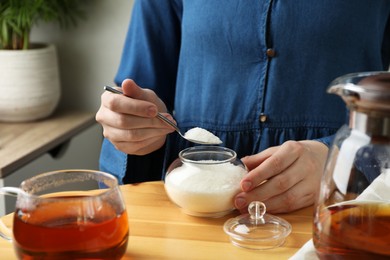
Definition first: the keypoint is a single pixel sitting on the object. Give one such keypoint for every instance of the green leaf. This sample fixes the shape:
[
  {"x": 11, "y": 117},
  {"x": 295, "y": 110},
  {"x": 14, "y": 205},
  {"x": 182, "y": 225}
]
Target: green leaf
[{"x": 17, "y": 17}]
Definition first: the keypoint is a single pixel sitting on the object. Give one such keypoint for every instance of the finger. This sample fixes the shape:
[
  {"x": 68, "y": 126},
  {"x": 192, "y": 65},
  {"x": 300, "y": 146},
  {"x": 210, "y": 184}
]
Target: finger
[
  {"x": 129, "y": 122},
  {"x": 297, "y": 197},
  {"x": 279, "y": 161},
  {"x": 121, "y": 127},
  {"x": 107, "y": 117},
  {"x": 271, "y": 188},
  {"x": 141, "y": 147},
  {"x": 127, "y": 105},
  {"x": 252, "y": 161},
  {"x": 133, "y": 135},
  {"x": 131, "y": 89},
  {"x": 277, "y": 184}
]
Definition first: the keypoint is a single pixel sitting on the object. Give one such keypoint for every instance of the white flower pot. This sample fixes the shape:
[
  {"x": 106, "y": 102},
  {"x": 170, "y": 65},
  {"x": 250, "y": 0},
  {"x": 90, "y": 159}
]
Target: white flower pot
[{"x": 29, "y": 83}]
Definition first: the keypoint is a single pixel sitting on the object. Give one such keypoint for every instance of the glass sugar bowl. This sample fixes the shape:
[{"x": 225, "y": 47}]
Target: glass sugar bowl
[{"x": 204, "y": 180}]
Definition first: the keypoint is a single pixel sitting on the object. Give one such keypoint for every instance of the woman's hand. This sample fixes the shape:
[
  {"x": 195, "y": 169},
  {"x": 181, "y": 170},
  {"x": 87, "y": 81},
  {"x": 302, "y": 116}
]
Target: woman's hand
[
  {"x": 129, "y": 121},
  {"x": 285, "y": 178}
]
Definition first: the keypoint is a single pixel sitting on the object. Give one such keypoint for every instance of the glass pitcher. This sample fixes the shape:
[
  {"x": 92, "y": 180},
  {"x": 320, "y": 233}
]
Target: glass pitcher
[{"x": 352, "y": 213}]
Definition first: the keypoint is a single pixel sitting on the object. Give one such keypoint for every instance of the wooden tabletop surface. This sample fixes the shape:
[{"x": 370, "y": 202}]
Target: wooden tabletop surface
[
  {"x": 160, "y": 230},
  {"x": 21, "y": 143}
]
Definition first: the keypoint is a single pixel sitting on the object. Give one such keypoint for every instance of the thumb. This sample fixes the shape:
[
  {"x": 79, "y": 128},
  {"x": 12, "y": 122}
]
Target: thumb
[{"x": 131, "y": 89}]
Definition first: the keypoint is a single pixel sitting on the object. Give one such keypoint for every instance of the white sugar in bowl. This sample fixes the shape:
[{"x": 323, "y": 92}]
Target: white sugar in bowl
[{"x": 204, "y": 180}]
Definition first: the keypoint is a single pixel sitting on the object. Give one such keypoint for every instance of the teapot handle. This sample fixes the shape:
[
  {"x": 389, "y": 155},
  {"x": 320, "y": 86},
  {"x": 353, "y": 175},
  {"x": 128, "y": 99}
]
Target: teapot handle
[{"x": 6, "y": 232}]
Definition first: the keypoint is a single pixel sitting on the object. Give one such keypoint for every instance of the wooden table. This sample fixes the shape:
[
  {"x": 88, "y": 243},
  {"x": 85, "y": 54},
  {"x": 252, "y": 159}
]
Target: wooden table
[{"x": 159, "y": 230}]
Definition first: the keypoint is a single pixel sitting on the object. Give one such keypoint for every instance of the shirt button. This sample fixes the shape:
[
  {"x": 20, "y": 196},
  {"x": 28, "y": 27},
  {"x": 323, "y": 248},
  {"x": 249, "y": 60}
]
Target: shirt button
[
  {"x": 270, "y": 53},
  {"x": 262, "y": 118}
]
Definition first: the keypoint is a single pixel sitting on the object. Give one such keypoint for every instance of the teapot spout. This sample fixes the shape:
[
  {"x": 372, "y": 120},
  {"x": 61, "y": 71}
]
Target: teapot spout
[
  {"x": 12, "y": 191},
  {"x": 348, "y": 91}
]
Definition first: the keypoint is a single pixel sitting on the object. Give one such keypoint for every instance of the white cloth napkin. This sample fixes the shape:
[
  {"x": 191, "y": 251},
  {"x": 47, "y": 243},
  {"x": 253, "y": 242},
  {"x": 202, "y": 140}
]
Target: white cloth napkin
[
  {"x": 377, "y": 191},
  {"x": 307, "y": 252}
]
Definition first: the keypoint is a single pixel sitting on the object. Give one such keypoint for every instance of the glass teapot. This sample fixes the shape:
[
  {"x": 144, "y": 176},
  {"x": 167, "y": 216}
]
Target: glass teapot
[{"x": 352, "y": 212}]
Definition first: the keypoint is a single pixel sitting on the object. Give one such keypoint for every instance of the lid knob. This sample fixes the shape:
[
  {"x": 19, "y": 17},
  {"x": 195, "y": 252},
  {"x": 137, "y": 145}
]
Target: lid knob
[{"x": 256, "y": 211}]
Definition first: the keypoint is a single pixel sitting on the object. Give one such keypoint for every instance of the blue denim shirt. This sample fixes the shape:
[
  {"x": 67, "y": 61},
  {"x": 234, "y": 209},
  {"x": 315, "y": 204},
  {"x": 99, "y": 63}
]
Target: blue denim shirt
[{"x": 254, "y": 73}]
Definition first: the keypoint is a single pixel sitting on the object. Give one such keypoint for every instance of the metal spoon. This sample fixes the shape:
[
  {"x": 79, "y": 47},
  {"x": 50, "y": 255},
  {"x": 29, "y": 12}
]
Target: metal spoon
[{"x": 164, "y": 119}]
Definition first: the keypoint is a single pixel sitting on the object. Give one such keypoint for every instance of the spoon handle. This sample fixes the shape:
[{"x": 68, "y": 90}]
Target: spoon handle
[
  {"x": 113, "y": 90},
  {"x": 169, "y": 122}
]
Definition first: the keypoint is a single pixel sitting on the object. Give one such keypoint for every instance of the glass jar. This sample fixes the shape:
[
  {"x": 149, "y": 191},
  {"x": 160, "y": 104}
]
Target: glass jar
[
  {"x": 204, "y": 180},
  {"x": 352, "y": 213}
]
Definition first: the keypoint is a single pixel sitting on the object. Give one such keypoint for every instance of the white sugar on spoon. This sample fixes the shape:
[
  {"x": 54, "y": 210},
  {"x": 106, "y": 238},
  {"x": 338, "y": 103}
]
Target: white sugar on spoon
[{"x": 202, "y": 135}]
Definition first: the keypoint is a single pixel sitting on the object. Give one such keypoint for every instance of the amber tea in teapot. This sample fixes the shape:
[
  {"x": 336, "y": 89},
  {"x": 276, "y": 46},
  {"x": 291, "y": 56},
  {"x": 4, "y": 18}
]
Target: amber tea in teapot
[{"x": 354, "y": 231}]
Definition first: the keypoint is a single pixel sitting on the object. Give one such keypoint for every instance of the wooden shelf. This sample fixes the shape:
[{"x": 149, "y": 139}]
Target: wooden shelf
[{"x": 20, "y": 143}]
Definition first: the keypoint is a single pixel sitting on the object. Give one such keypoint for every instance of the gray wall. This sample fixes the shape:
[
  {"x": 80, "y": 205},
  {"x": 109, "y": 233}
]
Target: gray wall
[{"x": 89, "y": 54}]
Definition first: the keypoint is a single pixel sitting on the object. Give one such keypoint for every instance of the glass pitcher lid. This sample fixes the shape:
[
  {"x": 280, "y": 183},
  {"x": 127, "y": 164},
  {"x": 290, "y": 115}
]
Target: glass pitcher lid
[
  {"x": 367, "y": 91},
  {"x": 257, "y": 229}
]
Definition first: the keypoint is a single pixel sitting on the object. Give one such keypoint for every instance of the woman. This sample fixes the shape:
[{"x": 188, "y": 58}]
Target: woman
[{"x": 254, "y": 73}]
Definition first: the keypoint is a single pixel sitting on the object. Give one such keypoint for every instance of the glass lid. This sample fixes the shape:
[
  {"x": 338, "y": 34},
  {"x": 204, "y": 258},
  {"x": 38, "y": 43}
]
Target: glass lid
[
  {"x": 366, "y": 91},
  {"x": 257, "y": 229}
]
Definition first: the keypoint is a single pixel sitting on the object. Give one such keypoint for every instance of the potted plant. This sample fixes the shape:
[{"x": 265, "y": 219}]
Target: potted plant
[{"x": 29, "y": 73}]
